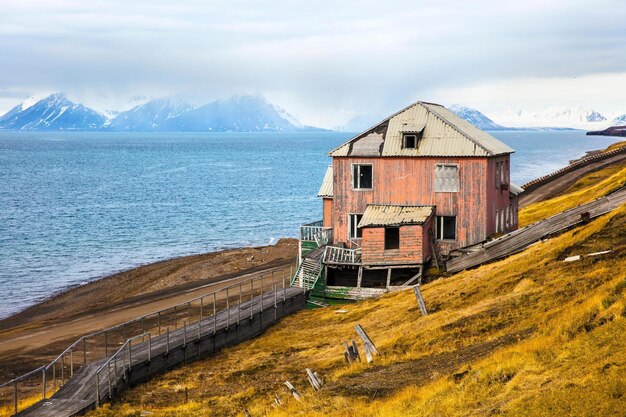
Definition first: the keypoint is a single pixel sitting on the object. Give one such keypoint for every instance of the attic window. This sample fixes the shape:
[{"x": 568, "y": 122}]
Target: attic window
[{"x": 410, "y": 140}]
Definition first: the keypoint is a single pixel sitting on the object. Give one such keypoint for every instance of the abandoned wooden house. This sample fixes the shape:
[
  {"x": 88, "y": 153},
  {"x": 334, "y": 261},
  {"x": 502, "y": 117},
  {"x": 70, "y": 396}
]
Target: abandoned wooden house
[{"x": 418, "y": 186}]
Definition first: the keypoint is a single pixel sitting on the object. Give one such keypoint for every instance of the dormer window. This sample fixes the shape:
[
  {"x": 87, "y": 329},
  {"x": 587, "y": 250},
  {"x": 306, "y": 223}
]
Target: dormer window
[{"x": 410, "y": 140}]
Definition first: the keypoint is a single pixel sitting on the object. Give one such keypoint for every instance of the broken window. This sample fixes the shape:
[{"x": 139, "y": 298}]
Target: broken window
[
  {"x": 354, "y": 232},
  {"x": 446, "y": 227},
  {"x": 392, "y": 238},
  {"x": 446, "y": 178},
  {"x": 409, "y": 141},
  {"x": 362, "y": 176}
]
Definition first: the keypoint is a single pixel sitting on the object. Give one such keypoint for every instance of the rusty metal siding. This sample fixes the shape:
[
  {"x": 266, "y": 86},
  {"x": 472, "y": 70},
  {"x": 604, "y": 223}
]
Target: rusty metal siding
[
  {"x": 410, "y": 181},
  {"x": 410, "y": 251}
]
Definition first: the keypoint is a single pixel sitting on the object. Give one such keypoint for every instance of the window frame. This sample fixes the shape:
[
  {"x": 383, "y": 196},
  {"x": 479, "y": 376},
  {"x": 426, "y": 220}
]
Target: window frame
[
  {"x": 358, "y": 216},
  {"x": 458, "y": 173},
  {"x": 405, "y": 136},
  {"x": 385, "y": 239},
  {"x": 352, "y": 166},
  {"x": 439, "y": 228}
]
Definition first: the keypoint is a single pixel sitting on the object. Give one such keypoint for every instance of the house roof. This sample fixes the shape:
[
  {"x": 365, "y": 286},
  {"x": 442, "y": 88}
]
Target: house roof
[
  {"x": 326, "y": 190},
  {"x": 443, "y": 134},
  {"x": 515, "y": 189},
  {"x": 391, "y": 215}
]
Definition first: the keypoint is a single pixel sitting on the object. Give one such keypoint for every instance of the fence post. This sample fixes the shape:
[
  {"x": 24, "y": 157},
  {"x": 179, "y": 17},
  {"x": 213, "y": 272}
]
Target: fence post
[
  {"x": 214, "y": 315},
  {"x": 84, "y": 351},
  {"x": 130, "y": 354},
  {"x": 185, "y": 333},
  {"x": 175, "y": 319},
  {"x": 239, "y": 307},
  {"x": 54, "y": 376},
  {"x": 106, "y": 344},
  {"x": 201, "y": 307},
  {"x": 284, "y": 291},
  {"x": 168, "y": 339},
  {"x": 62, "y": 369},
  {"x": 109, "y": 379},
  {"x": 149, "y": 347},
  {"x": 15, "y": 397},
  {"x": 159, "y": 322},
  {"x": 43, "y": 385},
  {"x": 251, "y": 298},
  {"x": 71, "y": 363},
  {"x": 227, "y": 309}
]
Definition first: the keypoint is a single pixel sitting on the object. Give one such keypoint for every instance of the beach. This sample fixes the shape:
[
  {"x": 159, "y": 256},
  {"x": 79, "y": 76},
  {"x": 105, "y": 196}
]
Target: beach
[{"x": 36, "y": 335}]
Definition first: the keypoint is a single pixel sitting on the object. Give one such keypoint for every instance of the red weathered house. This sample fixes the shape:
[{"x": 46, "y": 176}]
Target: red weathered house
[{"x": 417, "y": 186}]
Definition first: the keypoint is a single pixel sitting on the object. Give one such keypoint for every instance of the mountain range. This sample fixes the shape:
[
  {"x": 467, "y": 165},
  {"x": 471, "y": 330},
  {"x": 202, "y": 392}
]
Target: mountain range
[
  {"x": 236, "y": 114},
  {"x": 253, "y": 113}
]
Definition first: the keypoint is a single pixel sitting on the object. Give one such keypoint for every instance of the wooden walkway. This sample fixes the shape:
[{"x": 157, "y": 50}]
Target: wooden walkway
[
  {"x": 522, "y": 238},
  {"x": 147, "y": 356}
]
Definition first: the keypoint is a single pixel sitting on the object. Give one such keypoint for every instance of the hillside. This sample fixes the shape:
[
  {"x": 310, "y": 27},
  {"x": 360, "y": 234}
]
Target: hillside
[{"x": 530, "y": 335}]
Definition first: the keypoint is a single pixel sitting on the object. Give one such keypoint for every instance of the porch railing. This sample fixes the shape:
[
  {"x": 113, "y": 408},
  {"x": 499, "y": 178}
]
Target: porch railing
[
  {"x": 316, "y": 232},
  {"x": 336, "y": 255}
]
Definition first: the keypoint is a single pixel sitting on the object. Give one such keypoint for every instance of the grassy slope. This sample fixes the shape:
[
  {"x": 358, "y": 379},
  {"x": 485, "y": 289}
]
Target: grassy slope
[{"x": 529, "y": 335}]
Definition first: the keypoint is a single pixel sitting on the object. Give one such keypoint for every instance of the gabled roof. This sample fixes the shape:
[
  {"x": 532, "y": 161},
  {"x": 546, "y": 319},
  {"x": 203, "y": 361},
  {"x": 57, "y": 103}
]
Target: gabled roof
[
  {"x": 443, "y": 134},
  {"x": 392, "y": 215},
  {"x": 515, "y": 189},
  {"x": 326, "y": 190}
]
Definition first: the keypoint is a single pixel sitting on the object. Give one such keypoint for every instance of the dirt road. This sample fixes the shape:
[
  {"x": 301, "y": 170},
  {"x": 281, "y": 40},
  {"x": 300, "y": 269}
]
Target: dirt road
[{"x": 38, "y": 334}]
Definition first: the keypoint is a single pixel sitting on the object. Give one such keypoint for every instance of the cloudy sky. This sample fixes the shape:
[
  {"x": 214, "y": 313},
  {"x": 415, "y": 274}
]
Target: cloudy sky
[{"x": 323, "y": 61}]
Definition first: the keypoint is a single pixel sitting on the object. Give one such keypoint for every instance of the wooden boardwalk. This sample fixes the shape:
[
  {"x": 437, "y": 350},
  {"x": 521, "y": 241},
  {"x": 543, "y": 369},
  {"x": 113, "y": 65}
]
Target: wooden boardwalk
[
  {"x": 147, "y": 356},
  {"x": 522, "y": 238}
]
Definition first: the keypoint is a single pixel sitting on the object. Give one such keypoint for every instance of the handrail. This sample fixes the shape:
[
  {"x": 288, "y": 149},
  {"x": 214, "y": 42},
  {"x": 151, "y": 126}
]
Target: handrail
[
  {"x": 82, "y": 339},
  {"x": 107, "y": 364}
]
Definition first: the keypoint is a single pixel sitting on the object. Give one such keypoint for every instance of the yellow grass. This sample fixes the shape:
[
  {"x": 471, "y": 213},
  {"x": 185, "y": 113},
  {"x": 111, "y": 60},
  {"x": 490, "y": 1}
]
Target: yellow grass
[
  {"x": 530, "y": 335},
  {"x": 7, "y": 410},
  {"x": 616, "y": 145},
  {"x": 590, "y": 187}
]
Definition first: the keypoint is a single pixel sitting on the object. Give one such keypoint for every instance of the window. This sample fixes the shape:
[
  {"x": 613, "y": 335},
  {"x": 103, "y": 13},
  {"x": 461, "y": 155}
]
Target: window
[
  {"x": 497, "y": 174},
  {"x": 409, "y": 141},
  {"x": 446, "y": 178},
  {"x": 354, "y": 232},
  {"x": 446, "y": 227},
  {"x": 362, "y": 177},
  {"x": 392, "y": 238}
]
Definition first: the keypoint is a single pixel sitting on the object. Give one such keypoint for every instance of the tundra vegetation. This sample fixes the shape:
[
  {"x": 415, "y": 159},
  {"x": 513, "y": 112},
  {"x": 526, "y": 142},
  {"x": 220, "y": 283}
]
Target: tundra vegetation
[{"x": 530, "y": 335}]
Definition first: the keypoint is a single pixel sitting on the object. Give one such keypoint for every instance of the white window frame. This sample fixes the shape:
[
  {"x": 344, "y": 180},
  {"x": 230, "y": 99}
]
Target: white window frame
[
  {"x": 352, "y": 177},
  {"x": 439, "y": 228},
  {"x": 350, "y": 235},
  {"x": 458, "y": 172}
]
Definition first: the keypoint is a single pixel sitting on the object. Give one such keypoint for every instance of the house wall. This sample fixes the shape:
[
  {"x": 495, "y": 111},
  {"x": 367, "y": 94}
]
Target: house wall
[
  {"x": 410, "y": 181},
  {"x": 499, "y": 203},
  {"x": 410, "y": 251},
  {"x": 327, "y": 212}
]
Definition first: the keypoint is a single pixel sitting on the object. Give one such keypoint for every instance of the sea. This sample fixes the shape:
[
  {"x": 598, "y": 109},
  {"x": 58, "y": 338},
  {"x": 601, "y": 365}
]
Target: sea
[{"x": 75, "y": 206}]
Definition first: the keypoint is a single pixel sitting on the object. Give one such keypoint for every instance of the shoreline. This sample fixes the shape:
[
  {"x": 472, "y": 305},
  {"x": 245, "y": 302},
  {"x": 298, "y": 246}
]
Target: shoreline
[
  {"x": 34, "y": 336},
  {"x": 170, "y": 276}
]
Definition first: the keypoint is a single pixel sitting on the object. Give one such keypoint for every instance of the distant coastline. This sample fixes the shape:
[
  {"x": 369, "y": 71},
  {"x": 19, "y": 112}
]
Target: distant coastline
[{"x": 617, "y": 131}]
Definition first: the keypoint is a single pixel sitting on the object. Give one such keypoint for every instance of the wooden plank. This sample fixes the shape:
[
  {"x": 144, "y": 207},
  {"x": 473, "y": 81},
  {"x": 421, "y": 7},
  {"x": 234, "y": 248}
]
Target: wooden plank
[
  {"x": 522, "y": 238},
  {"x": 420, "y": 300},
  {"x": 79, "y": 393},
  {"x": 367, "y": 341}
]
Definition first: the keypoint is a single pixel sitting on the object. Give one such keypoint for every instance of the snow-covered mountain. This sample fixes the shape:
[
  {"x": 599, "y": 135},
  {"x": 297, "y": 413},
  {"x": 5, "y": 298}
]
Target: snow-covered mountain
[
  {"x": 54, "y": 112},
  {"x": 153, "y": 115},
  {"x": 555, "y": 117},
  {"x": 475, "y": 117},
  {"x": 620, "y": 120},
  {"x": 360, "y": 122},
  {"x": 237, "y": 114}
]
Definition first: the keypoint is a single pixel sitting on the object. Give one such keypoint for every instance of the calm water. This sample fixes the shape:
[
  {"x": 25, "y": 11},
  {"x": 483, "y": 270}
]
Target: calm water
[{"x": 78, "y": 206}]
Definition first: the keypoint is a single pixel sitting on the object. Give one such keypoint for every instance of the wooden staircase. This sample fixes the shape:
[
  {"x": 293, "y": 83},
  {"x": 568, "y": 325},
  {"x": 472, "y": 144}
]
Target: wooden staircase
[{"x": 308, "y": 273}]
